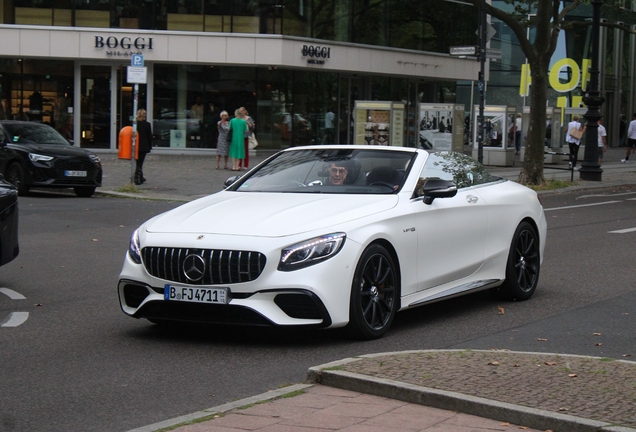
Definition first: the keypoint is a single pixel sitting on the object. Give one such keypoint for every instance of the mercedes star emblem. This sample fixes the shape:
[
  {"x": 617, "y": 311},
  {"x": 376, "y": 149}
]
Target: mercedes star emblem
[{"x": 193, "y": 267}]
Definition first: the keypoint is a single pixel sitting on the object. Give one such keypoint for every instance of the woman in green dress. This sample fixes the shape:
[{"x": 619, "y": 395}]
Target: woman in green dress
[{"x": 238, "y": 126}]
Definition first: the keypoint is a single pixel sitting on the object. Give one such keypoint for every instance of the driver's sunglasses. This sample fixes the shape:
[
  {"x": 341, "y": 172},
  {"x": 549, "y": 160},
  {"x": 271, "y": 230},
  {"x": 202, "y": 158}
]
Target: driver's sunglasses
[{"x": 337, "y": 170}]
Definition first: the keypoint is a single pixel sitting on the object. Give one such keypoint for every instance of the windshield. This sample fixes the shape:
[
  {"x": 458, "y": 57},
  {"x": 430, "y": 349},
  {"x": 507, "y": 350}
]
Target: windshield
[
  {"x": 330, "y": 170},
  {"x": 34, "y": 133}
]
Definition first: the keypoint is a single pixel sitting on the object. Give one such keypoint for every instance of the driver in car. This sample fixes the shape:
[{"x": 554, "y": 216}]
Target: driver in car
[{"x": 337, "y": 174}]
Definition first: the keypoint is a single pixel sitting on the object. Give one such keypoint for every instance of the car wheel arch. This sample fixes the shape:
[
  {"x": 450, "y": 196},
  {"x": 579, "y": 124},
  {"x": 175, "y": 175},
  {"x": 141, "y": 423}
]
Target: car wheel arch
[
  {"x": 25, "y": 171},
  {"x": 394, "y": 255},
  {"x": 511, "y": 289},
  {"x": 375, "y": 291},
  {"x": 532, "y": 222}
]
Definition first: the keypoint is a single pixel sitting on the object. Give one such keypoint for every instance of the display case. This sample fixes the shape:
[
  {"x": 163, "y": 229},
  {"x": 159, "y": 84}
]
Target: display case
[
  {"x": 499, "y": 135},
  {"x": 553, "y": 137},
  {"x": 441, "y": 126},
  {"x": 379, "y": 123},
  {"x": 34, "y": 102}
]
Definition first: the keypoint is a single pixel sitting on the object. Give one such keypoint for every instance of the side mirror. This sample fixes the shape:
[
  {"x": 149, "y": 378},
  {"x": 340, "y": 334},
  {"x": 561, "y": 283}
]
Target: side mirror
[
  {"x": 231, "y": 180},
  {"x": 438, "y": 188}
]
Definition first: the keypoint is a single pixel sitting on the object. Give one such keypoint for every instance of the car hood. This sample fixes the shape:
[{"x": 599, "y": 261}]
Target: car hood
[
  {"x": 267, "y": 214},
  {"x": 50, "y": 149}
]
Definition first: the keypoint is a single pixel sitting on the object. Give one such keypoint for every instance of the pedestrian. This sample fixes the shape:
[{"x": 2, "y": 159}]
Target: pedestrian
[
  {"x": 518, "y": 133},
  {"x": 602, "y": 140},
  {"x": 631, "y": 138},
  {"x": 248, "y": 133},
  {"x": 573, "y": 141},
  {"x": 222, "y": 146},
  {"x": 144, "y": 145},
  {"x": 237, "y": 126}
]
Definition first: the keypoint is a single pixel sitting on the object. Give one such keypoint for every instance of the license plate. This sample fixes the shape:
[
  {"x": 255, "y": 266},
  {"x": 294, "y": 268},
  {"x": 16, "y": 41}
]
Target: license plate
[
  {"x": 196, "y": 295},
  {"x": 69, "y": 173}
]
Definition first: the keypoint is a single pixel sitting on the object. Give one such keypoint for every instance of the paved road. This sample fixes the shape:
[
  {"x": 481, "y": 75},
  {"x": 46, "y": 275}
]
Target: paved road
[{"x": 79, "y": 364}]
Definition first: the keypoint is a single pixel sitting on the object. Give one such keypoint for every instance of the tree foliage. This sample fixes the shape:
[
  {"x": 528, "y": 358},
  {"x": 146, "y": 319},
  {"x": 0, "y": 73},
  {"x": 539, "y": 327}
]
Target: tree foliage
[{"x": 547, "y": 18}]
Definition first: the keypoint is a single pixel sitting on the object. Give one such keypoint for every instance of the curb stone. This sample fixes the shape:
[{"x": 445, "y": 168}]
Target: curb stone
[
  {"x": 264, "y": 397},
  {"x": 329, "y": 374}
]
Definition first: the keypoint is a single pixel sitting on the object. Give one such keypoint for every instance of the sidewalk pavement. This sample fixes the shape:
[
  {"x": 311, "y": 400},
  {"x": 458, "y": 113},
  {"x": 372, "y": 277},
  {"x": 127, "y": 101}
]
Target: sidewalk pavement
[
  {"x": 435, "y": 391},
  {"x": 185, "y": 177}
]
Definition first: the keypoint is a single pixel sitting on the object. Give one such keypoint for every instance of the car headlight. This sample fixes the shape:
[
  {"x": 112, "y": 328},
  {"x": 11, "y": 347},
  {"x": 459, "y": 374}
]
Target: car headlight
[
  {"x": 133, "y": 248},
  {"x": 39, "y": 158},
  {"x": 94, "y": 158},
  {"x": 310, "y": 252}
]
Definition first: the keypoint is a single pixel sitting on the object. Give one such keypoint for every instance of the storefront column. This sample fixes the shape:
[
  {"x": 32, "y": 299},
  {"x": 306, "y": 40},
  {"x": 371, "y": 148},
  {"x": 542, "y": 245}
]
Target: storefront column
[
  {"x": 77, "y": 103},
  {"x": 114, "y": 100}
]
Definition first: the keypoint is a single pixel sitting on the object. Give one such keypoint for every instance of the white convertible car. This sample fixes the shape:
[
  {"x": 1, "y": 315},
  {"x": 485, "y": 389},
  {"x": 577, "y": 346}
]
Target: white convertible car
[{"x": 333, "y": 236}]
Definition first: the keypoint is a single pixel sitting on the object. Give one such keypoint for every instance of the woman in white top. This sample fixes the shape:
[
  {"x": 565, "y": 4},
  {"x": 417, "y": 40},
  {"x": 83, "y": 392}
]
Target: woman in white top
[{"x": 572, "y": 141}]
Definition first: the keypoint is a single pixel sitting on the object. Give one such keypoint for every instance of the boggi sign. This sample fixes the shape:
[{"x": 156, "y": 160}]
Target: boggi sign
[{"x": 125, "y": 43}]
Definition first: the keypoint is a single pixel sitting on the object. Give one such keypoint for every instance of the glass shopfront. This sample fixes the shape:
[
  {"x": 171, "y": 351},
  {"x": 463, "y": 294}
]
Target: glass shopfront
[
  {"x": 39, "y": 91},
  {"x": 184, "y": 102}
]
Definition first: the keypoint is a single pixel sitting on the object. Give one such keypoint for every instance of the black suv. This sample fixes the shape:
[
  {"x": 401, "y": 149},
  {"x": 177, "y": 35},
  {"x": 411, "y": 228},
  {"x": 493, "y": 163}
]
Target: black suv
[{"x": 36, "y": 155}]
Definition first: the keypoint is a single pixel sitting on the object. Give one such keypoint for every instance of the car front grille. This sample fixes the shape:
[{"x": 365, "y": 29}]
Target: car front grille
[
  {"x": 93, "y": 173},
  {"x": 221, "y": 266}
]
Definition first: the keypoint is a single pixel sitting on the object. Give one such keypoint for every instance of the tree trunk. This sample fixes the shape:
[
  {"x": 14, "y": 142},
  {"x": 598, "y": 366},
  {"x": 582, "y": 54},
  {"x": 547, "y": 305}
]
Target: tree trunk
[{"x": 532, "y": 172}]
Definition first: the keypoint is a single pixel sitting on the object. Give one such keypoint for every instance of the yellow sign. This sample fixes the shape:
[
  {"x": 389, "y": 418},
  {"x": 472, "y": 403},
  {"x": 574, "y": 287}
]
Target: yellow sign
[{"x": 577, "y": 76}]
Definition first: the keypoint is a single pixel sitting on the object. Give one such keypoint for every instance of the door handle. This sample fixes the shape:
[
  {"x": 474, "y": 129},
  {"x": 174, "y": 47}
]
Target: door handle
[{"x": 472, "y": 199}]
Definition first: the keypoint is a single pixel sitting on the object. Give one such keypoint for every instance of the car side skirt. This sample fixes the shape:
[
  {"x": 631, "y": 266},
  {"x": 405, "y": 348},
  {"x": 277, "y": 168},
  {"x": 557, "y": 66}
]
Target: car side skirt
[{"x": 457, "y": 291}]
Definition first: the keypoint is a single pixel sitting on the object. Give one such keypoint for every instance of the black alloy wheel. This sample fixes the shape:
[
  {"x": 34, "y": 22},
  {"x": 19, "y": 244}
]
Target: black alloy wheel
[
  {"x": 523, "y": 266},
  {"x": 16, "y": 176},
  {"x": 374, "y": 293}
]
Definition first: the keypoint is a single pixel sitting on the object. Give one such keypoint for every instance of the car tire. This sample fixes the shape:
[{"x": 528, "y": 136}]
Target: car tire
[
  {"x": 84, "y": 191},
  {"x": 16, "y": 176},
  {"x": 523, "y": 265},
  {"x": 374, "y": 294}
]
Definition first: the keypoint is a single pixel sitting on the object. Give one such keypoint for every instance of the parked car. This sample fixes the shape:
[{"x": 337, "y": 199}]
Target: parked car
[
  {"x": 333, "y": 236},
  {"x": 36, "y": 155},
  {"x": 9, "y": 248}
]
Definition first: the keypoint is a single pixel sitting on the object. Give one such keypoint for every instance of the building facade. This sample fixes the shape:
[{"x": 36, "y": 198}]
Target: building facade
[{"x": 289, "y": 63}]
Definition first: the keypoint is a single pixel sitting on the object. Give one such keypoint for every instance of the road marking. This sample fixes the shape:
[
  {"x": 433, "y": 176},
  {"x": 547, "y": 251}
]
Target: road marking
[
  {"x": 582, "y": 205},
  {"x": 15, "y": 319},
  {"x": 12, "y": 294},
  {"x": 623, "y": 231},
  {"x": 607, "y": 195}
]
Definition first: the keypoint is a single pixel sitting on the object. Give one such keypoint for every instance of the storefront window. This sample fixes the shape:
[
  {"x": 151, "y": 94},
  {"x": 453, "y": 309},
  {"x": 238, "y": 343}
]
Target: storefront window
[
  {"x": 315, "y": 108},
  {"x": 274, "y": 94},
  {"x": 188, "y": 100},
  {"x": 126, "y": 101},
  {"x": 95, "y": 107},
  {"x": 28, "y": 93}
]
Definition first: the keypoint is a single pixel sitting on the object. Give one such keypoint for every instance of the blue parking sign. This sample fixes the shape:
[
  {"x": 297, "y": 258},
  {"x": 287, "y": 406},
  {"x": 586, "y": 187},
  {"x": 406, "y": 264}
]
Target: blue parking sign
[{"x": 137, "y": 60}]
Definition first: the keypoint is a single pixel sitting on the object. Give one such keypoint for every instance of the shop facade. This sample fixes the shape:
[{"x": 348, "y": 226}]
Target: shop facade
[{"x": 299, "y": 90}]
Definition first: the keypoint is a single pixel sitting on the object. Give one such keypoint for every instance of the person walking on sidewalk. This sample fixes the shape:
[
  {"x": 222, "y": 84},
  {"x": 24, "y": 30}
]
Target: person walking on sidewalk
[
  {"x": 243, "y": 164},
  {"x": 144, "y": 145},
  {"x": 572, "y": 141},
  {"x": 602, "y": 140},
  {"x": 238, "y": 126},
  {"x": 631, "y": 138},
  {"x": 222, "y": 146}
]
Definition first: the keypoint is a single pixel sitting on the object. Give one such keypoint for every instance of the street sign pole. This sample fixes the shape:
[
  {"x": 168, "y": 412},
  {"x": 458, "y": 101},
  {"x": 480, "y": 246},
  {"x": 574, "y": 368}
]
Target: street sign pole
[
  {"x": 134, "y": 134},
  {"x": 482, "y": 80},
  {"x": 137, "y": 75}
]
